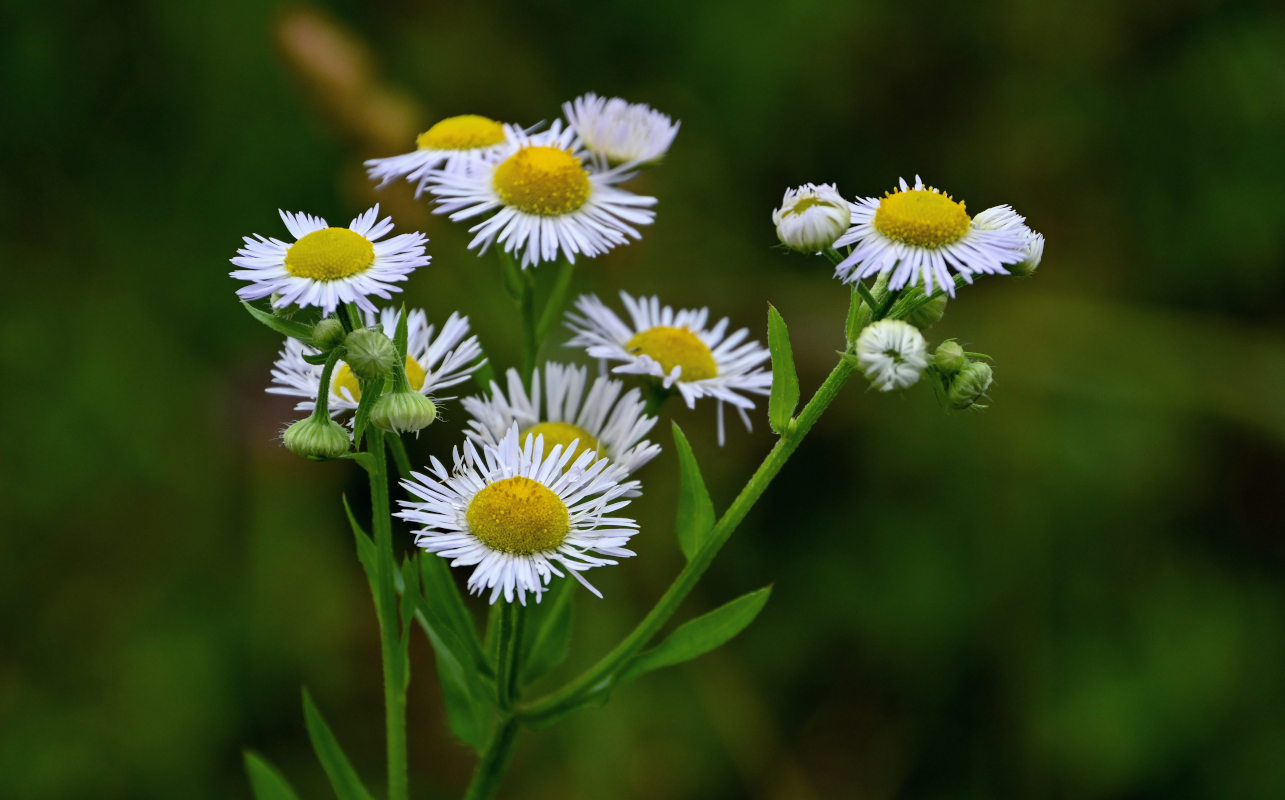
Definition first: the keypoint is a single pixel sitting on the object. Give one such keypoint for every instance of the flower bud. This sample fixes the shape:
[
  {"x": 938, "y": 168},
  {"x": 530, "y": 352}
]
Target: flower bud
[
  {"x": 892, "y": 354},
  {"x": 371, "y": 354},
  {"x": 403, "y": 411},
  {"x": 949, "y": 357},
  {"x": 1034, "y": 254},
  {"x": 812, "y": 217},
  {"x": 968, "y": 385},
  {"x": 328, "y": 334},
  {"x": 928, "y": 314},
  {"x": 316, "y": 437},
  {"x": 284, "y": 312}
]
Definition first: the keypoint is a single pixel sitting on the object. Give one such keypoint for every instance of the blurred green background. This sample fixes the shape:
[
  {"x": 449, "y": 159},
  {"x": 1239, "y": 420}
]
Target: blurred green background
[{"x": 1079, "y": 593}]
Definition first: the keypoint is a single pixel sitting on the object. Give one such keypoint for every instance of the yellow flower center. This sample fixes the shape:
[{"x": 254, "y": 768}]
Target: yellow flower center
[
  {"x": 564, "y": 433},
  {"x": 921, "y": 217},
  {"x": 675, "y": 347},
  {"x": 518, "y": 515},
  {"x": 465, "y": 132},
  {"x": 329, "y": 254},
  {"x": 542, "y": 180},
  {"x": 344, "y": 379}
]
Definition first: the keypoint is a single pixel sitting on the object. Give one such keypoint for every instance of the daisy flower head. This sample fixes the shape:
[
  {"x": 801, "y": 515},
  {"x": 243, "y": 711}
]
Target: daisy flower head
[
  {"x": 326, "y": 266},
  {"x": 620, "y": 132},
  {"x": 812, "y": 217},
  {"x": 450, "y": 144},
  {"x": 604, "y": 419},
  {"x": 434, "y": 361},
  {"x": 892, "y": 354},
  {"x": 542, "y": 200},
  {"x": 921, "y": 235},
  {"x": 678, "y": 348},
  {"x": 520, "y": 514},
  {"x": 1005, "y": 218}
]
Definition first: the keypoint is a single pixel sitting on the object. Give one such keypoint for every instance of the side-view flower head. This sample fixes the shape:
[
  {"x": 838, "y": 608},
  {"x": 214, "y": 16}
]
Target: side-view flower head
[
  {"x": 544, "y": 202},
  {"x": 678, "y": 348},
  {"x": 921, "y": 235},
  {"x": 434, "y": 361},
  {"x": 452, "y": 144},
  {"x": 603, "y": 419},
  {"x": 618, "y": 131},
  {"x": 812, "y": 217},
  {"x": 892, "y": 354},
  {"x": 520, "y": 514},
  {"x": 326, "y": 267}
]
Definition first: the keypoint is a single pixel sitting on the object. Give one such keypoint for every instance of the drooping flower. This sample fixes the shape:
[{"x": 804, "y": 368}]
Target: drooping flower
[
  {"x": 451, "y": 144},
  {"x": 892, "y": 354},
  {"x": 620, "y": 132}
]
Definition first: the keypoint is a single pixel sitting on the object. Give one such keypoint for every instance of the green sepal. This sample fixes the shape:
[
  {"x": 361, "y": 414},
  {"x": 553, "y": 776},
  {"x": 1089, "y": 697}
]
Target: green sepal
[
  {"x": 295, "y": 330},
  {"x": 698, "y": 636},
  {"x": 551, "y": 640},
  {"x": 266, "y": 781},
  {"x": 785, "y": 381},
  {"x": 343, "y": 778},
  {"x": 695, "y": 509}
]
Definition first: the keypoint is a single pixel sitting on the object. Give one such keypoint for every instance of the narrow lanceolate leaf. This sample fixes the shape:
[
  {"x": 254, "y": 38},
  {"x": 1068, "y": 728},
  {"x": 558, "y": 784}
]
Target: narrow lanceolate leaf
[
  {"x": 552, "y": 639},
  {"x": 442, "y": 596},
  {"x": 266, "y": 783},
  {"x": 699, "y": 636},
  {"x": 343, "y": 778},
  {"x": 365, "y": 545},
  {"x": 470, "y": 704},
  {"x": 370, "y": 392},
  {"x": 295, "y": 330},
  {"x": 695, "y": 509},
  {"x": 785, "y": 381},
  {"x": 400, "y": 337}
]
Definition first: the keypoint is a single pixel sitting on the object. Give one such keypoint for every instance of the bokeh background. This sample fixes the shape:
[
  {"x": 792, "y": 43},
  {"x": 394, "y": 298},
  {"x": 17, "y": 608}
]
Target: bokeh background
[{"x": 1079, "y": 593}]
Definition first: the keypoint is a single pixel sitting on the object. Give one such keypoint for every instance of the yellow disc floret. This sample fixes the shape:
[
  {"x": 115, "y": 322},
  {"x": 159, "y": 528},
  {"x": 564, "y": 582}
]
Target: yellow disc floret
[
  {"x": 675, "y": 347},
  {"x": 542, "y": 180},
  {"x": 330, "y": 254},
  {"x": 518, "y": 515},
  {"x": 344, "y": 379},
  {"x": 564, "y": 433},
  {"x": 922, "y": 217},
  {"x": 465, "y": 132}
]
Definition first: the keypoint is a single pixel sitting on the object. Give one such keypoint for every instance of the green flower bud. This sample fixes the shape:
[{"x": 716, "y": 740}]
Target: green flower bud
[
  {"x": 928, "y": 314},
  {"x": 317, "y": 437},
  {"x": 949, "y": 357},
  {"x": 968, "y": 385},
  {"x": 1034, "y": 254},
  {"x": 403, "y": 411},
  {"x": 371, "y": 354},
  {"x": 328, "y": 334},
  {"x": 285, "y": 312}
]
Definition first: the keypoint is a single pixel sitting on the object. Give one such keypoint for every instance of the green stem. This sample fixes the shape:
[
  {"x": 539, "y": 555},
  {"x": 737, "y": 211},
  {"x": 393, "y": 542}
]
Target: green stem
[
  {"x": 572, "y": 694},
  {"x": 321, "y": 409},
  {"x": 508, "y": 665},
  {"x": 386, "y": 611},
  {"x": 495, "y": 759},
  {"x": 657, "y": 395},
  {"x": 400, "y": 458},
  {"x": 553, "y": 305},
  {"x": 530, "y": 336}
]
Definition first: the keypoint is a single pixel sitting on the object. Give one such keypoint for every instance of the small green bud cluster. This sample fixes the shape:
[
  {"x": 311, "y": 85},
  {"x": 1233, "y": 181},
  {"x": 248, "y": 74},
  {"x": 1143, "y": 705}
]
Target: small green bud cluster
[
  {"x": 371, "y": 354},
  {"x": 964, "y": 381},
  {"x": 316, "y": 437}
]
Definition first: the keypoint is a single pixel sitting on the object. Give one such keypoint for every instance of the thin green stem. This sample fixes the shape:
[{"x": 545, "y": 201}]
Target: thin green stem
[
  {"x": 386, "y": 611},
  {"x": 557, "y": 295},
  {"x": 495, "y": 759},
  {"x": 657, "y": 395},
  {"x": 400, "y": 458},
  {"x": 509, "y": 667},
  {"x": 530, "y": 336},
  {"x": 321, "y": 410},
  {"x": 573, "y": 693}
]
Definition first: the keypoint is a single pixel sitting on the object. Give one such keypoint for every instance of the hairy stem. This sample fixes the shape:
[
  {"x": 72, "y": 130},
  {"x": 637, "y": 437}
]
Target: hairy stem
[{"x": 495, "y": 759}]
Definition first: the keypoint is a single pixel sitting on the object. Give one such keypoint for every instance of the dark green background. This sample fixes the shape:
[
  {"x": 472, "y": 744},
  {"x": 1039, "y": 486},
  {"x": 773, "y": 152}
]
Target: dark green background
[{"x": 1076, "y": 594}]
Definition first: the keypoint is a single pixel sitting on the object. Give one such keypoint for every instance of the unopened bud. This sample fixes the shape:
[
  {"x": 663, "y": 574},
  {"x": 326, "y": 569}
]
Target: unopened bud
[
  {"x": 812, "y": 217},
  {"x": 328, "y": 333},
  {"x": 284, "y": 312},
  {"x": 968, "y": 385},
  {"x": 949, "y": 357},
  {"x": 403, "y": 412},
  {"x": 371, "y": 354},
  {"x": 928, "y": 314},
  {"x": 1034, "y": 254},
  {"x": 314, "y": 437}
]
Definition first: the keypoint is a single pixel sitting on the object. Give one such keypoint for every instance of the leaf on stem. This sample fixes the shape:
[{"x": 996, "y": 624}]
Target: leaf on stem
[
  {"x": 266, "y": 781},
  {"x": 695, "y": 509},
  {"x": 343, "y": 778},
  {"x": 370, "y": 392},
  {"x": 295, "y": 330},
  {"x": 785, "y": 381},
  {"x": 400, "y": 337},
  {"x": 699, "y": 636}
]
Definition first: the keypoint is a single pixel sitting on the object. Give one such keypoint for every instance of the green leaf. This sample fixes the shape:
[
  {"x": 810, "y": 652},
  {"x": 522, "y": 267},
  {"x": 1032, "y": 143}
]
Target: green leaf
[
  {"x": 295, "y": 330},
  {"x": 442, "y": 597},
  {"x": 552, "y": 639},
  {"x": 695, "y": 509},
  {"x": 343, "y": 778},
  {"x": 785, "y": 381},
  {"x": 399, "y": 338},
  {"x": 266, "y": 782},
  {"x": 470, "y": 704},
  {"x": 699, "y": 636},
  {"x": 365, "y": 545},
  {"x": 370, "y": 392}
]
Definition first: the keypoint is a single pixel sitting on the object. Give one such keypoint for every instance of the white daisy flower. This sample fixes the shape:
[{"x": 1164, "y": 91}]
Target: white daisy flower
[
  {"x": 547, "y": 204},
  {"x": 519, "y": 516},
  {"x": 618, "y": 131},
  {"x": 1006, "y": 219},
  {"x": 812, "y": 217},
  {"x": 452, "y": 144},
  {"x": 433, "y": 362},
  {"x": 327, "y": 266},
  {"x": 892, "y": 354},
  {"x": 921, "y": 235},
  {"x": 677, "y": 348},
  {"x": 602, "y": 420}
]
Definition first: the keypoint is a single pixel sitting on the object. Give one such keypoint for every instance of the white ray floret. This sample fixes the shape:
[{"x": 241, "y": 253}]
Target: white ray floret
[
  {"x": 520, "y": 515},
  {"x": 325, "y": 266},
  {"x": 434, "y": 361},
  {"x": 620, "y": 132},
  {"x": 678, "y": 348},
  {"x": 892, "y": 354},
  {"x": 558, "y": 407},
  {"x": 921, "y": 236},
  {"x": 452, "y": 144},
  {"x": 541, "y": 201}
]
